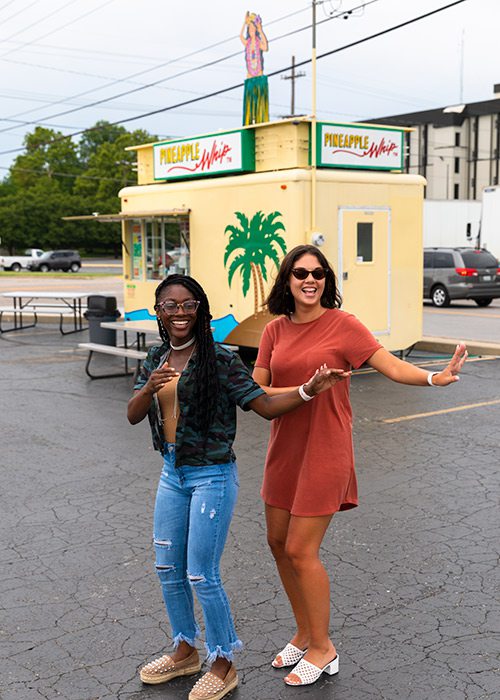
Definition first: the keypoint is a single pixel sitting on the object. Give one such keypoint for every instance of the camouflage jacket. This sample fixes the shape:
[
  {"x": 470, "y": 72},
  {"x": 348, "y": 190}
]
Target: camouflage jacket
[{"x": 236, "y": 388}]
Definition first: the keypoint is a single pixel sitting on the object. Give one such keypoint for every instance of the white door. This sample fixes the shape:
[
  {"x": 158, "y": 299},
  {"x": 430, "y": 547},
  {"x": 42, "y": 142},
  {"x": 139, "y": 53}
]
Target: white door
[{"x": 365, "y": 265}]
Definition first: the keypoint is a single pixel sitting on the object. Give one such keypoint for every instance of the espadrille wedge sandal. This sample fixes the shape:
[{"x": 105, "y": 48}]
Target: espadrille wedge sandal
[{"x": 165, "y": 668}]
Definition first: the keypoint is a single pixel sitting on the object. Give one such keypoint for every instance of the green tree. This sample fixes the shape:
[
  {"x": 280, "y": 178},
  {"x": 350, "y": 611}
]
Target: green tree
[
  {"x": 102, "y": 132},
  {"x": 55, "y": 177},
  {"x": 48, "y": 156},
  {"x": 258, "y": 240}
]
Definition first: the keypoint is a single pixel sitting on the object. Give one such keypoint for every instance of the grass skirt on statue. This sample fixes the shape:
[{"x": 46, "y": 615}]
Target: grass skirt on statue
[{"x": 256, "y": 100}]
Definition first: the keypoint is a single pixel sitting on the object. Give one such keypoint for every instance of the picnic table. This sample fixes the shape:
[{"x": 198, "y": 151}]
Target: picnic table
[
  {"x": 37, "y": 303},
  {"x": 134, "y": 351}
]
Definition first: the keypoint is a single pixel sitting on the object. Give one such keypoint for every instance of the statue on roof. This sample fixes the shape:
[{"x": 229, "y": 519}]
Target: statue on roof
[{"x": 256, "y": 97}]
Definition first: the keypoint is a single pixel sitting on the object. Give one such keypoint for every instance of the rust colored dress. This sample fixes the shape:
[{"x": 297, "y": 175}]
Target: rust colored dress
[{"x": 309, "y": 467}]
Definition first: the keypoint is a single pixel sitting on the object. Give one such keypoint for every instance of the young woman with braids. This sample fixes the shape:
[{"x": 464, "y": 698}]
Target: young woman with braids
[
  {"x": 189, "y": 388},
  {"x": 309, "y": 473}
]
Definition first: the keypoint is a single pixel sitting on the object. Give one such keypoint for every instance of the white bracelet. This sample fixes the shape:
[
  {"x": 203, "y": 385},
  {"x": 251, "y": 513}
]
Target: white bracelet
[
  {"x": 429, "y": 378},
  {"x": 303, "y": 395}
]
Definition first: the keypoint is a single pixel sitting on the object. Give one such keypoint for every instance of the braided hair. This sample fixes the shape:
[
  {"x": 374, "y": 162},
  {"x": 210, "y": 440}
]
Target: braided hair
[{"x": 205, "y": 363}]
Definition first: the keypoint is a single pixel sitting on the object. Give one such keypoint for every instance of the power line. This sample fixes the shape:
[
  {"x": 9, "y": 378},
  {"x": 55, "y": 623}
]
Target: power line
[
  {"x": 6, "y": 4},
  {"x": 301, "y": 63},
  {"x": 148, "y": 70},
  {"x": 57, "y": 29},
  {"x": 176, "y": 75},
  {"x": 51, "y": 14},
  {"x": 23, "y": 9},
  {"x": 273, "y": 73}
]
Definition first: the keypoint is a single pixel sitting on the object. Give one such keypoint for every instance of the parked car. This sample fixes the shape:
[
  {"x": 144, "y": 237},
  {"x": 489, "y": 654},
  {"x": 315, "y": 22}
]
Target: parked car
[
  {"x": 17, "y": 262},
  {"x": 65, "y": 260},
  {"x": 460, "y": 273}
]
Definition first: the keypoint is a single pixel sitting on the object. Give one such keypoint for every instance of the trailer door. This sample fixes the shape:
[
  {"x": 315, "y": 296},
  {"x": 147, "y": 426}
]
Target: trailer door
[{"x": 364, "y": 257}]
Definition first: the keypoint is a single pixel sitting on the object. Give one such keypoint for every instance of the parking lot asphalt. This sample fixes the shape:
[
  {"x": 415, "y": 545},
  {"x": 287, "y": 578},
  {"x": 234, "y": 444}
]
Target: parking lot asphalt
[{"x": 416, "y": 611}]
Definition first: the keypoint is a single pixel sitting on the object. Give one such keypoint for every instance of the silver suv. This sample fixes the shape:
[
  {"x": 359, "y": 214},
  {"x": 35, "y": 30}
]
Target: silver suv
[
  {"x": 64, "y": 260},
  {"x": 460, "y": 273}
]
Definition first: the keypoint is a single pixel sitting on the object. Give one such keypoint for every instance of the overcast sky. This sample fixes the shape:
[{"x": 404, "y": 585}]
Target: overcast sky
[{"x": 58, "y": 55}]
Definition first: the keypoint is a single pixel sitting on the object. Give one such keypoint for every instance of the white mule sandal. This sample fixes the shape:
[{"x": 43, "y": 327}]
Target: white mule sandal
[
  {"x": 308, "y": 673},
  {"x": 289, "y": 656}
]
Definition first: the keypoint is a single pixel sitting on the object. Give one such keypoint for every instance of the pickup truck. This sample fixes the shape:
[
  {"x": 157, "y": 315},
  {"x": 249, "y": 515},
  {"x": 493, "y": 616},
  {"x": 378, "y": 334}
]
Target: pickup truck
[{"x": 17, "y": 262}]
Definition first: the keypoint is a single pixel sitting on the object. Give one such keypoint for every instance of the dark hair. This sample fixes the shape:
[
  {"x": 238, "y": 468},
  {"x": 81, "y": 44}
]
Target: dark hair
[
  {"x": 280, "y": 299},
  {"x": 205, "y": 368}
]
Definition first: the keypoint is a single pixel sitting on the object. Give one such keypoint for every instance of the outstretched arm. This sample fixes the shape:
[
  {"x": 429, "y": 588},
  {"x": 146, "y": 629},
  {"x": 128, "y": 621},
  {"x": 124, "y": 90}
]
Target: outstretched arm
[
  {"x": 405, "y": 373},
  {"x": 278, "y": 404}
]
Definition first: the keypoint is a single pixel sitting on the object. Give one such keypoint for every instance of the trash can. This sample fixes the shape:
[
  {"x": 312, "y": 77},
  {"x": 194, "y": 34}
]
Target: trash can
[{"x": 101, "y": 308}]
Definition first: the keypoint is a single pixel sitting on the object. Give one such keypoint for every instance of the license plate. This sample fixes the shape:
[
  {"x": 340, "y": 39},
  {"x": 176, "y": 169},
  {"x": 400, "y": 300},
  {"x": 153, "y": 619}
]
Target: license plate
[{"x": 486, "y": 278}]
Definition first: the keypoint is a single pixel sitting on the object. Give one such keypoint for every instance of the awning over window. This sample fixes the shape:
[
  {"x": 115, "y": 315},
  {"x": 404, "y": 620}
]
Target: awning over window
[{"x": 126, "y": 216}]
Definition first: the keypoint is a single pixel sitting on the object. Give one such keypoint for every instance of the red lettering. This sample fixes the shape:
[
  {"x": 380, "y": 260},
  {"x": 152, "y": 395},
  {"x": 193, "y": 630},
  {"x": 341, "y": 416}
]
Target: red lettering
[
  {"x": 374, "y": 151},
  {"x": 383, "y": 148},
  {"x": 216, "y": 154}
]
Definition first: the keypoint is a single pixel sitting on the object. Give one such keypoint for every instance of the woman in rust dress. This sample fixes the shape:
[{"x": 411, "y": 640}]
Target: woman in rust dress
[{"x": 309, "y": 472}]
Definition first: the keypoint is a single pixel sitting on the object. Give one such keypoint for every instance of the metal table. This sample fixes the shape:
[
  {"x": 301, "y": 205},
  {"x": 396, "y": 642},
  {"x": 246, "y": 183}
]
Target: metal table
[
  {"x": 140, "y": 328},
  {"x": 26, "y": 301}
]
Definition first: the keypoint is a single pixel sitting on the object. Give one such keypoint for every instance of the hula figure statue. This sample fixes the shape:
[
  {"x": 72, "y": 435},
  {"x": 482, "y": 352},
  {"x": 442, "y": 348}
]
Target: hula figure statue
[{"x": 256, "y": 98}]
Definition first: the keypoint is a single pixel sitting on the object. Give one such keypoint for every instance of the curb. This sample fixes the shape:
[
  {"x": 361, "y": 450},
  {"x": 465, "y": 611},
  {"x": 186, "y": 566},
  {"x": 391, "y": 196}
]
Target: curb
[{"x": 448, "y": 345}]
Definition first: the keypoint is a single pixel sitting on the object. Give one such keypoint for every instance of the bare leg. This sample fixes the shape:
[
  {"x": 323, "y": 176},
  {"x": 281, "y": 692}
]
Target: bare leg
[
  {"x": 220, "y": 667},
  {"x": 182, "y": 652},
  {"x": 278, "y": 521},
  {"x": 302, "y": 549}
]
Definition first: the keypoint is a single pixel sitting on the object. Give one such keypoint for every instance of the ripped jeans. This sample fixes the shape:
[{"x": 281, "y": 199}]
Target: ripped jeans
[{"x": 193, "y": 510}]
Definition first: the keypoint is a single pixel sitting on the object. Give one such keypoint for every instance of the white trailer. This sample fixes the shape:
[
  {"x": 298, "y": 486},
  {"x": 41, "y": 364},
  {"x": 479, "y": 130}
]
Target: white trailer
[
  {"x": 452, "y": 223},
  {"x": 490, "y": 220}
]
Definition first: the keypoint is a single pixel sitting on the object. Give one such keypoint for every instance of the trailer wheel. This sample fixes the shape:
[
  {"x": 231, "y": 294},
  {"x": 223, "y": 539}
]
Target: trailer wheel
[
  {"x": 440, "y": 296},
  {"x": 16, "y": 267},
  {"x": 483, "y": 301}
]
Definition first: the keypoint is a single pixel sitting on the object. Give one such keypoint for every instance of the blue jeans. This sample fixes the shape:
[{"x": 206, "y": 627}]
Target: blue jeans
[{"x": 193, "y": 510}]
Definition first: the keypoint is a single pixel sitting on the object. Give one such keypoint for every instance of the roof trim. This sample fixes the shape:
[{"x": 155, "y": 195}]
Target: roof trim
[{"x": 125, "y": 216}]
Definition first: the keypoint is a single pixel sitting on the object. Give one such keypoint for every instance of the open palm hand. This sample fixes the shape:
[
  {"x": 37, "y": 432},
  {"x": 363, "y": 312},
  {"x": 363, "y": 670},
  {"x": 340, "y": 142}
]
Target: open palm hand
[
  {"x": 450, "y": 373},
  {"x": 324, "y": 378}
]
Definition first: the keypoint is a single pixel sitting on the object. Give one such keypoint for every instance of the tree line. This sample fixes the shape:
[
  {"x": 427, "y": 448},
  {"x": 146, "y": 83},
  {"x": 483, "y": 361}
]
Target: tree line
[{"x": 56, "y": 177}]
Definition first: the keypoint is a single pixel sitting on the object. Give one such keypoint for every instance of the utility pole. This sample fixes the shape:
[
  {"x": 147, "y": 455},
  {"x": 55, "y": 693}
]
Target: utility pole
[
  {"x": 462, "y": 51},
  {"x": 293, "y": 77},
  {"x": 313, "y": 119}
]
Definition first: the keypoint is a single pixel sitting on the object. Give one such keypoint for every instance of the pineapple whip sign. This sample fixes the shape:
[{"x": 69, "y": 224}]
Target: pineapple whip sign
[
  {"x": 341, "y": 146},
  {"x": 217, "y": 154}
]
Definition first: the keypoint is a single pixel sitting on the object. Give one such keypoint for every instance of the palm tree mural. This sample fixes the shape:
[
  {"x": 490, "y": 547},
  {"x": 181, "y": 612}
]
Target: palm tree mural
[{"x": 254, "y": 242}]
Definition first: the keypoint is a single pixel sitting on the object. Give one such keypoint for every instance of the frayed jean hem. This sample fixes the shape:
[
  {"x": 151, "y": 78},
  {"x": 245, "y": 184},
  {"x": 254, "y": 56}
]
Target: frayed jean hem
[
  {"x": 189, "y": 640},
  {"x": 219, "y": 652}
]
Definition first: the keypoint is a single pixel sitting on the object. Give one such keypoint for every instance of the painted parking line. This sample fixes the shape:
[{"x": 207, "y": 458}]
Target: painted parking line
[{"x": 466, "y": 407}]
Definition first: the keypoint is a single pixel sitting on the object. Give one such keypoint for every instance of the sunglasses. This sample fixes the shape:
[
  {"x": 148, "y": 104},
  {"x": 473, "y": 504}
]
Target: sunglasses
[
  {"x": 170, "y": 308},
  {"x": 300, "y": 273}
]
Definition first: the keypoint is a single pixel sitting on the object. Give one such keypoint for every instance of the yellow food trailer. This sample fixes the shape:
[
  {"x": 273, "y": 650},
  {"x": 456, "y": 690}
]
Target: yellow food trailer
[{"x": 226, "y": 207}]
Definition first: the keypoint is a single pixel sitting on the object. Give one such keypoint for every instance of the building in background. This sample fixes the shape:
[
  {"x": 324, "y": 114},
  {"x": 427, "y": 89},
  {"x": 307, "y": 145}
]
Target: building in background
[{"x": 456, "y": 148}]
